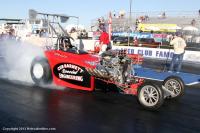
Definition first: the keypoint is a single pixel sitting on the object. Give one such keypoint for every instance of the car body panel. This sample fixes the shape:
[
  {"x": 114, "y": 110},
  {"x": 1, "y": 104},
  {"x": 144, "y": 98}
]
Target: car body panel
[{"x": 68, "y": 69}]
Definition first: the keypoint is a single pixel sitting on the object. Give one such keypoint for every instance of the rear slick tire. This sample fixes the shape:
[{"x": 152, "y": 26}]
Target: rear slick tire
[
  {"x": 150, "y": 96},
  {"x": 40, "y": 71}
]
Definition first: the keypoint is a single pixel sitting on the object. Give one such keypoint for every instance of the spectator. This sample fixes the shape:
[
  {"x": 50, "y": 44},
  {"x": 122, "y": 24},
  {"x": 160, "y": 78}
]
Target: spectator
[
  {"x": 114, "y": 14},
  {"x": 11, "y": 34},
  {"x": 103, "y": 41},
  {"x": 179, "y": 45},
  {"x": 141, "y": 19},
  {"x": 140, "y": 31},
  {"x": 199, "y": 12},
  {"x": 163, "y": 15},
  {"x": 193, "y": 22},
  {"x": 40, "y": 33},
  {"x": 146, "y": 17},
  {"x": 135, "y": 41},
  {"x": 136, "y": 24},
  {"x": 74, "y": 33},
  {"x": 1, "y": 36},
  {"x": 169, "y": 37},
  {"x": 122, "y": 14}
]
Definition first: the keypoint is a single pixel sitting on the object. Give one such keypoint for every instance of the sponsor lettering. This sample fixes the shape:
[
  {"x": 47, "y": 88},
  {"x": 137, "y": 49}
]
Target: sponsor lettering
[
  {"x": 163, "y": 54},
  {"x": 70, "y": 66},
  {"x": 131, "y": 51},
  {"x": 63, "y": 56},
  {"x": 138, "y": 35},
  {"x": 72, "y": 77},
  {"x": 159, "y": 53},
  {"x": 148, "y": 52},
  {"x": 69, "y": 71},
  {"x": 72, "y": 74},
  {"x": 144, "y": 52}
]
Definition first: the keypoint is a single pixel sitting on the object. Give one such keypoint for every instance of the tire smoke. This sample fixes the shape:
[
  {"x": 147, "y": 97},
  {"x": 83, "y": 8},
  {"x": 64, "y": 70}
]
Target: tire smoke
[
  {"x": 15, "y": 62},
  {"x": 17, "y": 58}
]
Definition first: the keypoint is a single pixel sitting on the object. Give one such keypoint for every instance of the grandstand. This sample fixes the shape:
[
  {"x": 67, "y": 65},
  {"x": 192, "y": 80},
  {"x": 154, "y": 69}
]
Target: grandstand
[
  {"x": 181, "y": 21},
  {"x": 181, "y": 18}
]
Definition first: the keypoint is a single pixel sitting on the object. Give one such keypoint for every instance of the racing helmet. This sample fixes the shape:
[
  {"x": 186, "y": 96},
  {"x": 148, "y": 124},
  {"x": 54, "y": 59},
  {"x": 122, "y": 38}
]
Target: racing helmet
[{"x": 65, "y": 44}]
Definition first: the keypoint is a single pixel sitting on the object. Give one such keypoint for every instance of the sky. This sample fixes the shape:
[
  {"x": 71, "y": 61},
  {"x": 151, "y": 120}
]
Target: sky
[{"x": 88, "y": 10}]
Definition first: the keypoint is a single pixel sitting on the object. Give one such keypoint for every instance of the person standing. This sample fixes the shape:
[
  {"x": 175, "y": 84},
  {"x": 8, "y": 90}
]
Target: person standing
[
  {"x": 179, "y": 45},
  {"x": 103, "y": 41},
  {"x": 135, "y": 41},
  {"x": 199, "y": 12}
]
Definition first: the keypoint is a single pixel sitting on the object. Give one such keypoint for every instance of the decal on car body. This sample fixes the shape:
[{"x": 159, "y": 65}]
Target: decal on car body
[{"x": 72, "y": 73}]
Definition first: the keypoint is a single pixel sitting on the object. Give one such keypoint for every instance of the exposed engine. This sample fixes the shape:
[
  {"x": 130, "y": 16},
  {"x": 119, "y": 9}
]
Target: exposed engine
[{"x": 115, "y": 66}]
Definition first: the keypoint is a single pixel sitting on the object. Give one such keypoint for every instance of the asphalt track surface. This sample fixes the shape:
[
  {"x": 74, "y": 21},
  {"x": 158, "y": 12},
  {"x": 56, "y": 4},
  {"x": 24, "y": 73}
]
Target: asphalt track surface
[{"x": 27, "y": 108}]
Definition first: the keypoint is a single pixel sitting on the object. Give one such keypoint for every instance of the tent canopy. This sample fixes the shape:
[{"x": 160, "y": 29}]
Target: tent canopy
[{"x": 190, "y": 28}]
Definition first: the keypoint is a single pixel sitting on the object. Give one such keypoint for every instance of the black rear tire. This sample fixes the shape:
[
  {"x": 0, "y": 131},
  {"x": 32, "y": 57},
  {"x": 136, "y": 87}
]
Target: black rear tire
[{"x": 44, "y": 77}]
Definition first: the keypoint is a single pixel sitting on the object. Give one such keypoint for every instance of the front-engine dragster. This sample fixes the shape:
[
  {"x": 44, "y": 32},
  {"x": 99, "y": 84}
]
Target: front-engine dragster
[
  {"x": 78, "y": 69},
  {"x": 65, "y": 65}
]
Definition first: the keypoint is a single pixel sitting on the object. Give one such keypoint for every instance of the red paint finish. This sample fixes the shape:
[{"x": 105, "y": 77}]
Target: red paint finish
[
  {"x": 56, "y": 57},
  {"x": 69, "y": 70}
]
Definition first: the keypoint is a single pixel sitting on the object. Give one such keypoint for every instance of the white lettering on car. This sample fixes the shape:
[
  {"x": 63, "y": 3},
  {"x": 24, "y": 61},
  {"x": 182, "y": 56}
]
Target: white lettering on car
[{"x": 72, "y": 77}]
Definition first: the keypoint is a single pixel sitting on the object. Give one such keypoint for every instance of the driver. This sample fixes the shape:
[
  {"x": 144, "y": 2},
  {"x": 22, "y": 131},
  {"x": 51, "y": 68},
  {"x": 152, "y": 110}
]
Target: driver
[{"x": 65, "y": 45}]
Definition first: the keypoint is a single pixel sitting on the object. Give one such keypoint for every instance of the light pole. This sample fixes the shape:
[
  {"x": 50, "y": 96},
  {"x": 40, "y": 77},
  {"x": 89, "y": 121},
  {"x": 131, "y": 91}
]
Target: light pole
[{"x": 130, "y": 19}]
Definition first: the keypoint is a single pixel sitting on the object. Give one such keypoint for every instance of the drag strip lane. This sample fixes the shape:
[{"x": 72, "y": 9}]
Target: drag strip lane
[{"x": 80, "y": 111}]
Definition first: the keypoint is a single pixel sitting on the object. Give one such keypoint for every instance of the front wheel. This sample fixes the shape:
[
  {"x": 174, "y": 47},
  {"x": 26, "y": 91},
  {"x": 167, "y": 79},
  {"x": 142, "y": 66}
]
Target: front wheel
[
  {"x": 40, "y": 71},
  {"x": 175, "y": 85},
  {"x": 150, "y": 96}
]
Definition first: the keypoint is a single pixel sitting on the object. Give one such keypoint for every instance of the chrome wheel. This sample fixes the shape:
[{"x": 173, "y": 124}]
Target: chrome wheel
[
  {"x": 149, "y": 95},
  {"x": 173, "y": 86}
]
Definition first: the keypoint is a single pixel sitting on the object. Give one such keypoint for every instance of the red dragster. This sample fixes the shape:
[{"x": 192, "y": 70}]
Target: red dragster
[{"x": 66, "y": 66}]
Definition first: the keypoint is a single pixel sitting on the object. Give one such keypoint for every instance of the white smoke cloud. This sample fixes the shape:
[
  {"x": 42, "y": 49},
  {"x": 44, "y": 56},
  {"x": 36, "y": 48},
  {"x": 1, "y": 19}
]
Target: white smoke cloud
[{"x": 16, "y": 59}]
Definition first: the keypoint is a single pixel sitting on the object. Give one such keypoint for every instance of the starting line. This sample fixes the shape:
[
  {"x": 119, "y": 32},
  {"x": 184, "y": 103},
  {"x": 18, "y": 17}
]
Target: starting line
[{"x": 147, "y": 73}]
